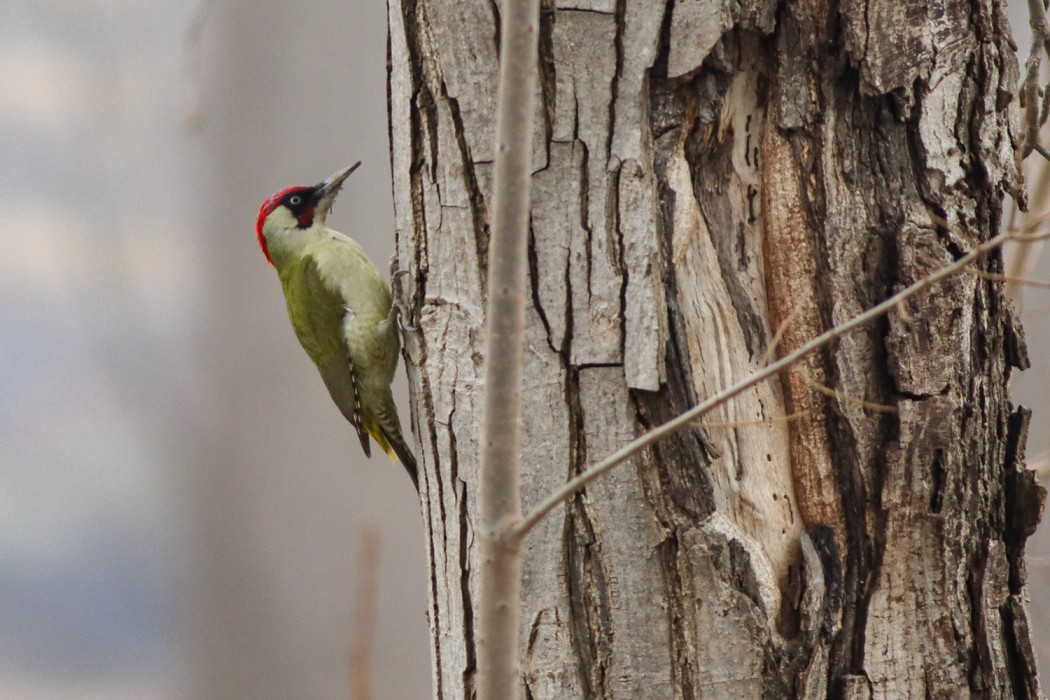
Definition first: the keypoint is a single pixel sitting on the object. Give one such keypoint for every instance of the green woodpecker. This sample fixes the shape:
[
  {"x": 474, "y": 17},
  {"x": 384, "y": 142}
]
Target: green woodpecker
[{"x": 340, "y": 308}]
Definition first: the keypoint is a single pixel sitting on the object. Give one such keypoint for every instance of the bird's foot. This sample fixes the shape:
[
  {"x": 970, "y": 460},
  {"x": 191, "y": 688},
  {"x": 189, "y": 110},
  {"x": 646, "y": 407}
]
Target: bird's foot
[{"x": 397, "y": 292}]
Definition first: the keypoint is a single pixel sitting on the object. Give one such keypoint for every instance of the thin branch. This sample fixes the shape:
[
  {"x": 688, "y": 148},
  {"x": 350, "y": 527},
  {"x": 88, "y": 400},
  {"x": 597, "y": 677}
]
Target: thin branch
[
  {"x": 797, "y": 415},
  {"x": 1020, "y": 281},
  {"x": 193, "y": 51},
  {"x": 847, "y": 398},
  {"x": 1019, "y": 264},
  {"x": 366, "y": 608},
  {"x": 499, "y": 604},
  {"x": 1033, "y": 98},
  {"x": 778, "y": 336},
  {"x": 686, "y": 419}
]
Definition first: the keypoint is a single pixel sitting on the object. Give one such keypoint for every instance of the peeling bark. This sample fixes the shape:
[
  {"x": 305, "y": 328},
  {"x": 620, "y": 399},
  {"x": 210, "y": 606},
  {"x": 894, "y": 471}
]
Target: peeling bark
[{"x": 709, "y": 173}]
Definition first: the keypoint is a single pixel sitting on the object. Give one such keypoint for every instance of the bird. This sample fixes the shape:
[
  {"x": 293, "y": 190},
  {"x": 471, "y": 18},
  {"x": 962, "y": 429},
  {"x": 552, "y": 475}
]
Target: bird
[{"x": 341, "y": 310}]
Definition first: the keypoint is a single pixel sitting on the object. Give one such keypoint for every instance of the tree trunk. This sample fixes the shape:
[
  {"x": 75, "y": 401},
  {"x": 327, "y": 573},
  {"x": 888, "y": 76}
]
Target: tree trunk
[{"x": 716, "y": 183}]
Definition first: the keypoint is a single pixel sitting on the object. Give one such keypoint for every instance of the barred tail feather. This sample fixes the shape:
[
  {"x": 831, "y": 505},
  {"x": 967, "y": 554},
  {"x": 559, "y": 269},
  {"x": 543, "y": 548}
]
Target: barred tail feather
[{"x": 404, "y": 453}]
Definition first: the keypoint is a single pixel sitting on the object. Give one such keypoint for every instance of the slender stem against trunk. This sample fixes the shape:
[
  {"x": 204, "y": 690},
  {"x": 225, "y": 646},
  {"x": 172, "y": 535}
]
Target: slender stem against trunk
[
  {"x": 697, "y": 412},
  {"x": 499, "y": 611},
  {"x": 366, "y": 608}
]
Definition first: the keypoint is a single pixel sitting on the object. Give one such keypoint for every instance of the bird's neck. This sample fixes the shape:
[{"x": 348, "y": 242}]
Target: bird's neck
[{"x": 289, "y": 245}]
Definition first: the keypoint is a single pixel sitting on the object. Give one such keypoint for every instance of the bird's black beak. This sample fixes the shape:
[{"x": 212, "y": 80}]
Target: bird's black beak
[{"x": 325, "y": 192}]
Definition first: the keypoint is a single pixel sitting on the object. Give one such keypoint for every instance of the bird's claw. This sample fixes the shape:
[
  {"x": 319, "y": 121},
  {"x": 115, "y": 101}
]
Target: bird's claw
[{"x": 397, "y": 290}]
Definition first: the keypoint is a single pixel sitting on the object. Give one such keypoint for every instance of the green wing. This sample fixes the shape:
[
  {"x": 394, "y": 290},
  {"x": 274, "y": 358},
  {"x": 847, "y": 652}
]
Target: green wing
[{"x": 317, "y": 313}]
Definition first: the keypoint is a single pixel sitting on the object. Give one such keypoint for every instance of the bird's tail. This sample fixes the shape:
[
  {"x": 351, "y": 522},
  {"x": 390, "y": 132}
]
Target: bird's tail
[{"x": 396, "y": 447}]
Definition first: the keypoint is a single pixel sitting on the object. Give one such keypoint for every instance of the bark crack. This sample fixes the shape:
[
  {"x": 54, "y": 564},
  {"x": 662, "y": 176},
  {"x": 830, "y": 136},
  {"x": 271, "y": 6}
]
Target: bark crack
[
  {"x": 464, "y": 561},
  {"x": 585, "y": 198},
  {"x": 534, "y": 284},
  {"x": 683, "y": 669},
  {"x": 590, "y": 622},
  {"x": 589, "y": 619},
  {"x": 613, "y": 216},
  {"x": 478, "y": 209},
  {"x": 614, "y": 85}
]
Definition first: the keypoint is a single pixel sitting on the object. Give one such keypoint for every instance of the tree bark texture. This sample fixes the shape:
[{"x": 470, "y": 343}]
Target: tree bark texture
[{"x": 717, "y": 182}]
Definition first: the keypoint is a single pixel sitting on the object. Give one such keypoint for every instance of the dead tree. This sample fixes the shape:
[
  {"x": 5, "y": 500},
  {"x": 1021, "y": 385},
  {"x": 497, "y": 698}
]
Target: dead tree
[{"x": 716, "y": 183}]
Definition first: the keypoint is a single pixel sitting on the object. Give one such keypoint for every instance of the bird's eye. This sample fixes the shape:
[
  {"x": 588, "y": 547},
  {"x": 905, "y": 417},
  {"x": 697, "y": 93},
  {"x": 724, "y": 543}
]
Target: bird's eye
[{"x": 295, "y": 200}]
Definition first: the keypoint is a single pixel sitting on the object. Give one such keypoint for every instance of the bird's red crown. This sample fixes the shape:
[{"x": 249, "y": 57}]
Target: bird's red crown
[{"x": 271, "y": 203}]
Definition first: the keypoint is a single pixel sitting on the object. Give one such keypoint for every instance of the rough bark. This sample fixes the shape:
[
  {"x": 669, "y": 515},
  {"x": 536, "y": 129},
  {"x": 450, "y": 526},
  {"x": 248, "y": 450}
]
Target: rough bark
[{"x": 708, "y": 173}]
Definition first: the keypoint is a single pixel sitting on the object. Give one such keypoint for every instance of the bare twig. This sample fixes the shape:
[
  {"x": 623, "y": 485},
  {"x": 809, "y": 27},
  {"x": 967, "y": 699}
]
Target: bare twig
[
  {"x": 1018, "y": 281},
  {"x": 778, "y": 336},
  {"x": 193, "y": 48},
  {"x": 1033, "y": 99},
  {"x": 1021, "y": 260},
  {"x": 366, "y": 608},
  {"x": 689, "y": 417},
  {"x": 847, "y": 398},
  {"x": 499, "y": 606},
  {"x": 756, "y": 422}
]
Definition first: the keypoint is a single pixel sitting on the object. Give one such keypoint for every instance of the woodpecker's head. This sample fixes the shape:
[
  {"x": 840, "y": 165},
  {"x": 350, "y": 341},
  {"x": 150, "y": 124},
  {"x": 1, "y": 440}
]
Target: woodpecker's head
[{"x": 298, "y": 208}]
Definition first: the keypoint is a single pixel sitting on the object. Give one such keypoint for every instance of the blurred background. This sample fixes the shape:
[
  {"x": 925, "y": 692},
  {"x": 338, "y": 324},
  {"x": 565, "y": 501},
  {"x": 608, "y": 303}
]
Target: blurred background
[{"x": 181, "y": 506}]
